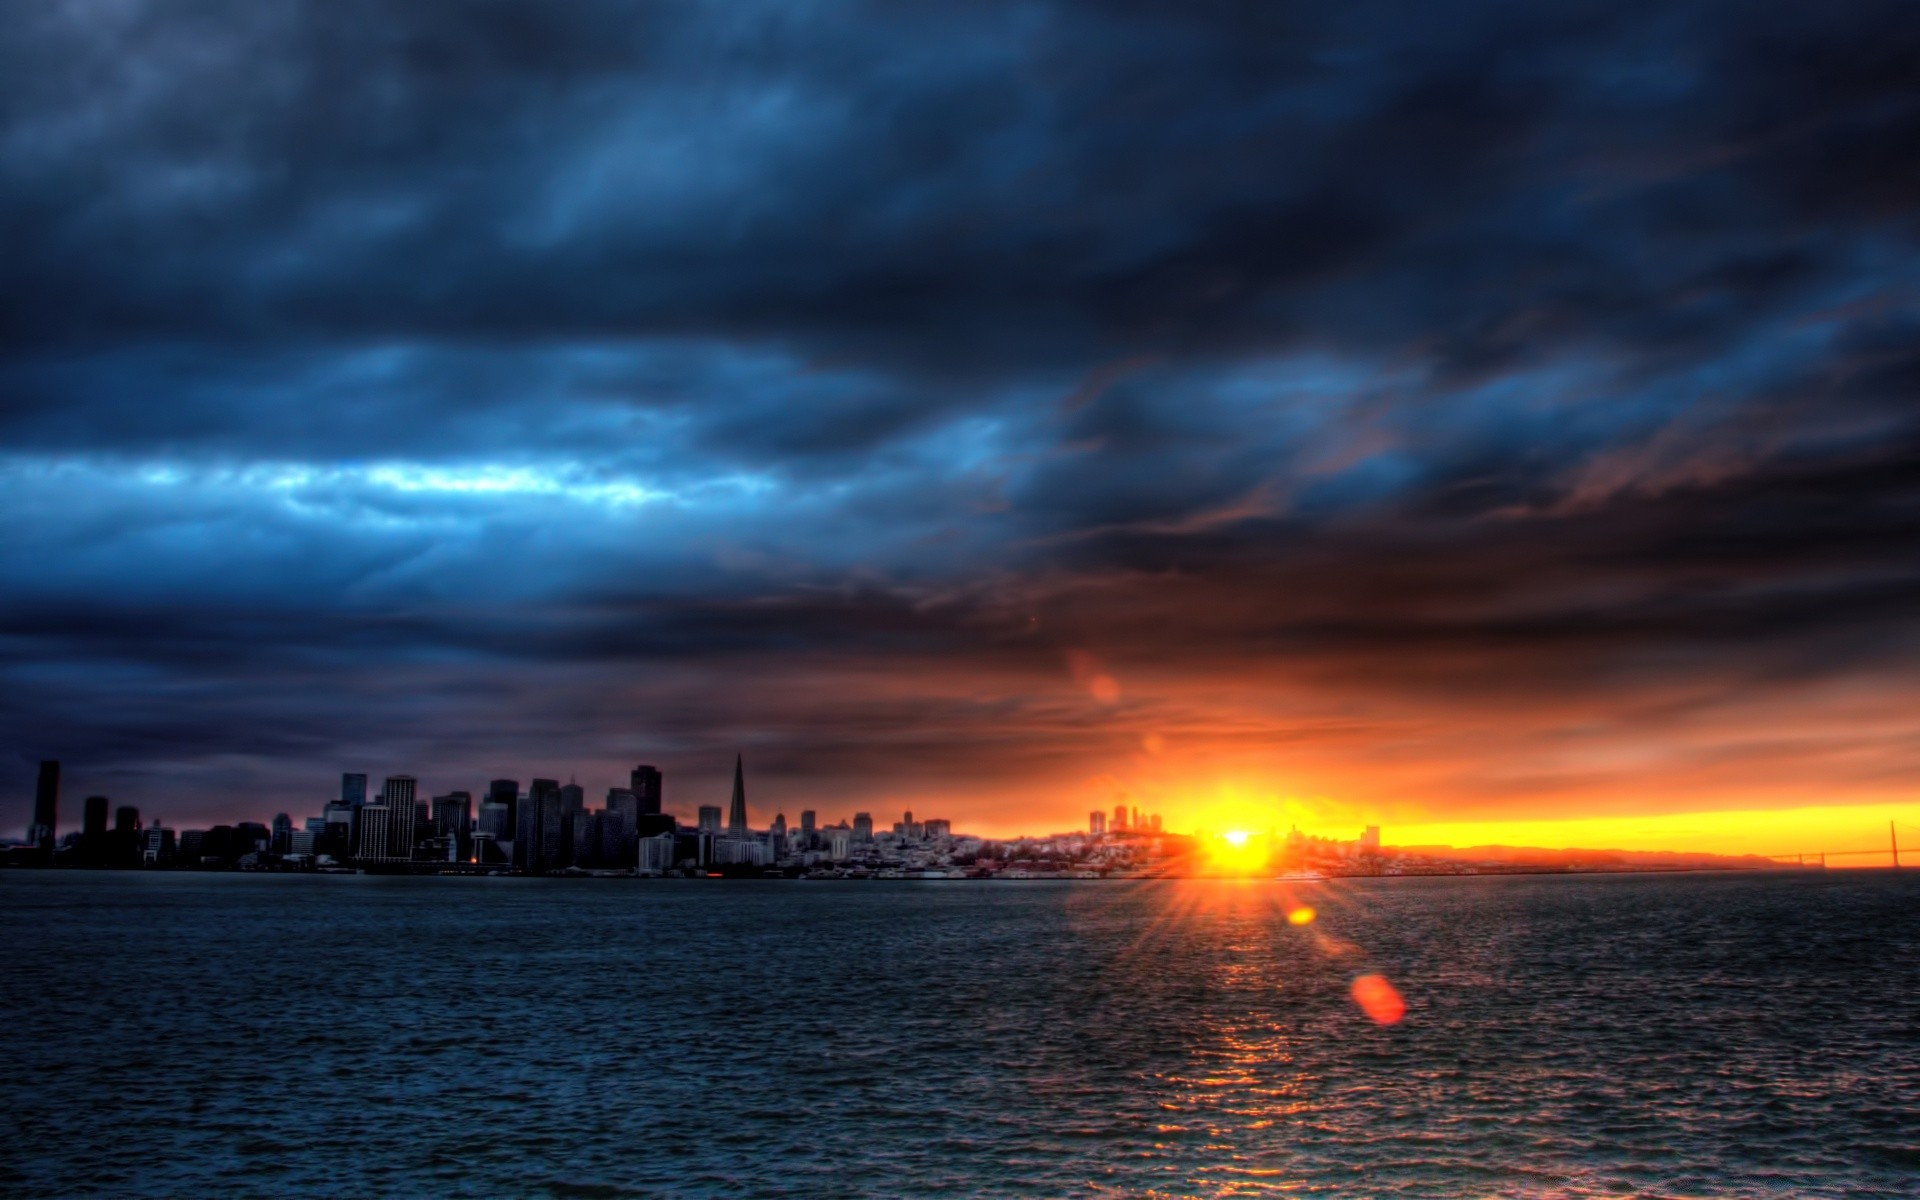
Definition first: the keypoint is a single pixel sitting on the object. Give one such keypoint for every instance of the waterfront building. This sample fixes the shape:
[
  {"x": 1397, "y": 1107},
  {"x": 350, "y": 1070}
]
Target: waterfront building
[
  {"x": 655, "y": 854},
  {"x": 157, "y": 845},
  {"x": 300, "y": 843},
  {"x": 737, "y": 808},
  {"x": 740, "y": 851}
]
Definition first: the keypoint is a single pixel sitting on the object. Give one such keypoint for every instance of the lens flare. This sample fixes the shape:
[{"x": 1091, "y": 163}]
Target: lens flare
[
  {"x": 1302, "y": 915},
  {"x": 1378, "y": 999}
]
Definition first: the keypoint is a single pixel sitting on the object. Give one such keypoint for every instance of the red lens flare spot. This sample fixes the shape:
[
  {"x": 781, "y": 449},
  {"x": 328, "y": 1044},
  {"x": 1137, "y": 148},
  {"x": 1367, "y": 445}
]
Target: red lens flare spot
[{"x": 1378, "y": 999}]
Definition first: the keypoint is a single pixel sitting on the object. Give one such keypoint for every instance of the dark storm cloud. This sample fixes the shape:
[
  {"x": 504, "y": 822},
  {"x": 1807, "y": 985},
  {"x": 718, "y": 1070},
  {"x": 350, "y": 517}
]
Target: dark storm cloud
[{"x": 395, "y": 379}]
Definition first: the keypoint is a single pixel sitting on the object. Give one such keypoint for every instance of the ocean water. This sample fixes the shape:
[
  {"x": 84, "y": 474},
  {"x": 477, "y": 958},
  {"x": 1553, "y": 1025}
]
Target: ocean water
[{"x": 1691, "y": 1035}]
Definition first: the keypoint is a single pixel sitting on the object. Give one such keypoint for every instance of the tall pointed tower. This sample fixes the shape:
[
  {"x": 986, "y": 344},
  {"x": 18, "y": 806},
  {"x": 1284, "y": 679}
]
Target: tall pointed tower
[{"x": 737, "y": 811}]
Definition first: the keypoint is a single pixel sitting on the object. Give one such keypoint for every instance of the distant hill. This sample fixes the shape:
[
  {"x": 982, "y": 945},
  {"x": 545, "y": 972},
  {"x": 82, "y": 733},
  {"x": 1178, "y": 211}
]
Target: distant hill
[{"x": 1535, "y": 856}]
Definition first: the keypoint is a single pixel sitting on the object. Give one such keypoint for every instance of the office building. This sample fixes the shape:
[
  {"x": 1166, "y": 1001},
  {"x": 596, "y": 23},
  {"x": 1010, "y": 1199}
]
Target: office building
[
  {"x": 709, "y": 818},
  {"x": 529, "y": 844},
  {"x": 353, "y": 790},
  {"x": 1097, "y": 823},
  {"x": 376, "y": 833},
  {"x": 542, "y": 827},
  {"x": 737, "y": 808},
  {"x": 840, "y": 840},
  {"x": 156, "y": 845},
  {"x": 645, "y": 783},
  {"x": 583, "y": 838},
  {"x": 93, "y": 817},
  {"x": 573, "y": 797},
  {"x": 936, "y": 828},
  {"x": 126, "y": 819},
  {"x": 282, "y": 835},
  {"x": 655, "y": 854},
  {"x": 46, "y": 806},
  {"x": 452, "y": 815},
  {"x": 807, "y": 822},
  {"x": 495, "y": 820},
  {"x": 623, "y": 817},
  {"x": 507, "y": 792},
  {"x": 398, "y": 794},
  {"x": 863, "y": 827},
  {"x": 1119, "y": 818}
]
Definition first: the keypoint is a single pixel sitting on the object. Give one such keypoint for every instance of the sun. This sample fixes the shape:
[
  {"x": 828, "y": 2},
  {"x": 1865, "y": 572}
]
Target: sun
[{"x": 1237, "y": 852}]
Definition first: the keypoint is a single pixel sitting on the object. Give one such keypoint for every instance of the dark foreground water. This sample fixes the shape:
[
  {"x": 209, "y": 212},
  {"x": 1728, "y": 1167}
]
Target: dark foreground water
[{"x": 1634, "y": 1036}]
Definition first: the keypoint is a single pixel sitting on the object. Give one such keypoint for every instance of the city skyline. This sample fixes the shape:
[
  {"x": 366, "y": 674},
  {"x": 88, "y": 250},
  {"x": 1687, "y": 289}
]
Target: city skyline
[{"x": 551, "y": 829}]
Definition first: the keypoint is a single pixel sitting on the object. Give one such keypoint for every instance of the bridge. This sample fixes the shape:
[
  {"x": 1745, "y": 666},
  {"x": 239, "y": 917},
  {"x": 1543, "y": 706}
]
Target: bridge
[{"x": 1889, "y": 853}]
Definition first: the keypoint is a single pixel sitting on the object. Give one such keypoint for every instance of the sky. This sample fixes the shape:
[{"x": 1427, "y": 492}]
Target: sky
[{"x": 1459, "y": 418}]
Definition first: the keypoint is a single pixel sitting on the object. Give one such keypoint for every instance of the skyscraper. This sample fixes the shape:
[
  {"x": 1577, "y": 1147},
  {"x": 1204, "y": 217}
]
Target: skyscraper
[
  {"x": 46, "y": 806},
  {"x": 126, "y": 819},
  {"x": 453, "y": 814},
  {"x": 1119, "y": 819},
  {"x": 376, "y": 838},
  {"x": 623, "y": 814},
  {"x": 573, "y": 797},
  {"x": 1097, "y": 823},
  {"x": 353, "y": 790},
  {"x": 807, "y": 821},
  {"x": 737, "y": 810},
  {"x": 709, "y": 818},
  {"x": 93, "y": 819},
  {"x": 398, "y": 795},
  {"x": 646, "y": 783},
  {"x": 863, "y": 827},
  {"x": 541, "y": 825}
]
